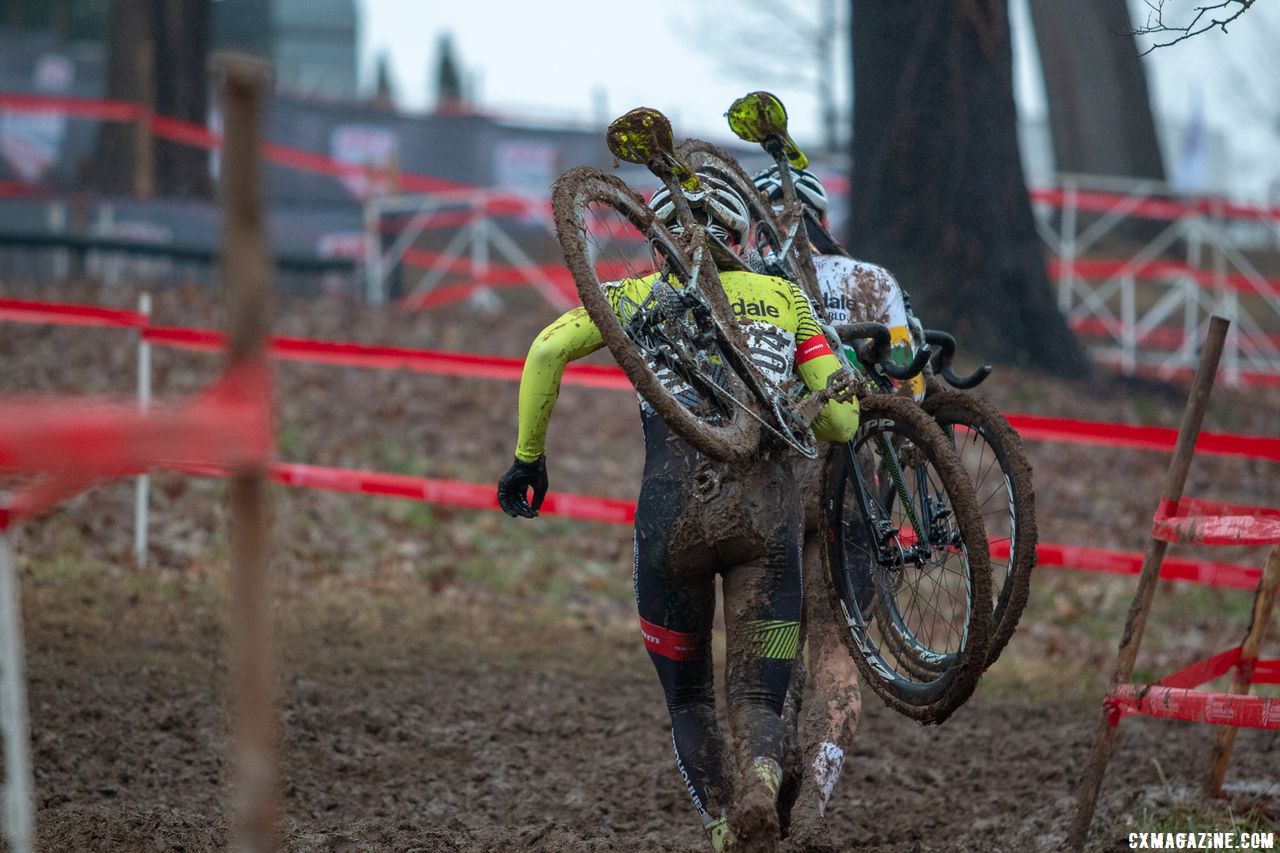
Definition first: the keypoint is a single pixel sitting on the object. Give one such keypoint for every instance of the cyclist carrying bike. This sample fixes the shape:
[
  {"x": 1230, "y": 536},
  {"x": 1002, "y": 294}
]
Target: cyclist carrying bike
[
  {"x": 696, "y": 518},
  {"x": 852, "y": 292}
]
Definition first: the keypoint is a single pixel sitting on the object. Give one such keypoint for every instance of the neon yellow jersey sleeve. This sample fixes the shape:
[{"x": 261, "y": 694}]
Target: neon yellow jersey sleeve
[
  {"x": 815, "y": 363},
  {"x": 569, "y": 338}
]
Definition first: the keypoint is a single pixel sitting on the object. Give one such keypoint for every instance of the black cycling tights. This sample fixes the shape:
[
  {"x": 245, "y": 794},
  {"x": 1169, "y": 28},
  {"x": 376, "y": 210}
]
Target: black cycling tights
[{"x": 676, "y": 560}]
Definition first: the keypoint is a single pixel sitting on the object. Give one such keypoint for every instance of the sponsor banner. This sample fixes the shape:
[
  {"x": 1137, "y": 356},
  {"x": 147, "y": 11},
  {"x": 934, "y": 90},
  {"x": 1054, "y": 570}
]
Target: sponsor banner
[
  {"x": 31, "y": 141},
  {"x": 374, "y": 152}
]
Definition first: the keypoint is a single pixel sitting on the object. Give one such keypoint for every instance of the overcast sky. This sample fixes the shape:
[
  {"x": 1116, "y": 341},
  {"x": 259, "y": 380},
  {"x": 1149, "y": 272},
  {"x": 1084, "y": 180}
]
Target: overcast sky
[{"x": 579, "y": 61}]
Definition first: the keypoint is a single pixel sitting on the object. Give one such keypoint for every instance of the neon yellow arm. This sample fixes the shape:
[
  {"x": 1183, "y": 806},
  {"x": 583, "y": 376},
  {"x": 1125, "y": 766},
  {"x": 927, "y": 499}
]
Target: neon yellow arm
[
  {"x": 815, "y": 363},
  {"x": 569, "y": 338},
  {"x": 837, "y": 421}
]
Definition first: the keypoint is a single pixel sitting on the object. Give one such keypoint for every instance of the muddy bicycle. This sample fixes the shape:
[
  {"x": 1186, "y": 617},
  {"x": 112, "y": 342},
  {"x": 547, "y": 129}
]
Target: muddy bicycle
[
  {"x": 989, "y": 448},
  {"x": 907, "y": 558},
  {"x": 680, "y": 345}
]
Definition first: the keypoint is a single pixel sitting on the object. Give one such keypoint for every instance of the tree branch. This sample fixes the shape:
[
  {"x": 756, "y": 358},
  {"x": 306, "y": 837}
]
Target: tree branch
[{"x": 1208, "y": 17}]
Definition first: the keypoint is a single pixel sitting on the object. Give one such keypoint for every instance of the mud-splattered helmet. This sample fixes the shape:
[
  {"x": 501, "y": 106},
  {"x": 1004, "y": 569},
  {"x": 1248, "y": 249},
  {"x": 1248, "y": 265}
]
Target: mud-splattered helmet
[
  {"x": 808, "y": 188},
  {"x": 717, "y": 205}
]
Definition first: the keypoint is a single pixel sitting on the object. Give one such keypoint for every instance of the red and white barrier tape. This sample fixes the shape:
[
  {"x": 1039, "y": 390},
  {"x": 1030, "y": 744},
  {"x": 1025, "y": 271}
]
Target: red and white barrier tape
[
  {"x": 1195, "y": 706},
  {"x": 1175, "y": 696},
  {"x": 612, "y": 510},
  {"x": 71, "y": 444},
  {"x": 451, "y": 493},
  {"x": 1099, "y": 268},
  {"x": 186, "y": 133},
  {"x": 1031, "y": 427},
  {"x": 1201, "y": 522}
]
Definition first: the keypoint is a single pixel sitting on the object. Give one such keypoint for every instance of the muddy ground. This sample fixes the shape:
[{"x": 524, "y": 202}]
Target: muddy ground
[{"x": 460, "y": 681}]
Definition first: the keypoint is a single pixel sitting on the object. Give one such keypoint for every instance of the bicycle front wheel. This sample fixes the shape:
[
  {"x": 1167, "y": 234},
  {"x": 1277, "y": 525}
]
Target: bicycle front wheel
[
  {"x": 679, "y": 344},
  {"x": 908, "y": 561},
  {"x": 991, "y": 452}
]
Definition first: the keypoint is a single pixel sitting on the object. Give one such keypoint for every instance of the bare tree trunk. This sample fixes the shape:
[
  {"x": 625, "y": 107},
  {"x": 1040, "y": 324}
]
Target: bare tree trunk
[
  {"x": 182, "y": 30},
  {"x": 1099, "y": 106},
  {"x": 938, "y": 187},
  {"x": 130, "y": 38},
  {"x": 158, "y": 58}
]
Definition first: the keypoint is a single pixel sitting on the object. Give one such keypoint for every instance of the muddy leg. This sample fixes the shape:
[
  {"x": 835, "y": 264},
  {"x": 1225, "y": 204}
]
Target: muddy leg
[
  {"x": 762, "y": 620},
  {"x": 832, "y": 706}
]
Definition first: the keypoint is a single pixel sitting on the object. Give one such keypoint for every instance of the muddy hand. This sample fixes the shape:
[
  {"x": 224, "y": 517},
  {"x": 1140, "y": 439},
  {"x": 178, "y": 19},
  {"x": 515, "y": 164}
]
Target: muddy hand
[{"x": 842, "y": 386}]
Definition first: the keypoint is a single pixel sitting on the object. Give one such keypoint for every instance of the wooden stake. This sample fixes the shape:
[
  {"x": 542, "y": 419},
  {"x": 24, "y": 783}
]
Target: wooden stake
[
  {"x": 1135, "y": 624},
  {"x": 1263, "y": 601},
  {"x": 246, "y": 277}
]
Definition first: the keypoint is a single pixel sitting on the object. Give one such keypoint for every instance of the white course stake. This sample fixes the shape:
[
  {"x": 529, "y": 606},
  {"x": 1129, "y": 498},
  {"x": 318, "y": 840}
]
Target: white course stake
[
  {"x": 142, "y": 487},
  {"x": 13, "y": 708}
]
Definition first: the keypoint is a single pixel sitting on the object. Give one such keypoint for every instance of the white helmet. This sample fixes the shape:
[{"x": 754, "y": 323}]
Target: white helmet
[
  {"x": 716, "y": 201},
  {"x": 808, "y": 188}
]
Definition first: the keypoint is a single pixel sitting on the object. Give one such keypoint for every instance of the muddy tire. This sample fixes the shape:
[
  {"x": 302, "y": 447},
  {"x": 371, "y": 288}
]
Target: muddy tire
[
  {"x": 919, "y": 614},
  {"x": 732, "y": 435},
  {"x": 1006, "y": 500}
]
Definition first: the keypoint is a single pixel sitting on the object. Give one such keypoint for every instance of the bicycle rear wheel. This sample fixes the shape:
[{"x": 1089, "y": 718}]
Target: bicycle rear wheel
[
  {"x": 680, "y": 346},
  {"x": 991, "y": 452},
  {"x": 908, "y": 561}
]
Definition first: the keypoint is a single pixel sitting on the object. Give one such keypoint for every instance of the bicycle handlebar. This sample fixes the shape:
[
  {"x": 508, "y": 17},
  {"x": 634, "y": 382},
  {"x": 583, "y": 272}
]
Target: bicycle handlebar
[
  {"x": 871, "y": 342},
  {"x": 946, "y": 345}
]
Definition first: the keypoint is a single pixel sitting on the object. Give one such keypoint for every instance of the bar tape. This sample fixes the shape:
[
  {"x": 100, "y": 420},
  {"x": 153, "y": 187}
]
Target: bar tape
[{"x": 1201, "y": 522}]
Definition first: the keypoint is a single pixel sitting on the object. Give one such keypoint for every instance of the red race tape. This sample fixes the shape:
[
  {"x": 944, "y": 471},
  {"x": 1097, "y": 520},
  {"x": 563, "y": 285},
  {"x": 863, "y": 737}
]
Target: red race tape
[
  {"x": 614, "y": 511},
  {"x": 390, "y": 358},
  {"x": 1201, "y": 522},
  {"x": 1039, "y": 428},
  {"x": 1203, "y": 671},
  {"x": 1099, "y": 268},
  {"x": 193, "y": 134},
  {"x": 1179, "y": 703},
  {"x": 1030, "y": 427},
  {"x": 63, "y": 314},
  {"x": 229, "y": 422},
  {"x": 454, "y": 493},
  {"x": 1203, "y": 572}
]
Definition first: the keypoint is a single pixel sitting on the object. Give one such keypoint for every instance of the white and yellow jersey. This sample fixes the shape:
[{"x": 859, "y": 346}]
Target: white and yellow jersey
[{"x": 858, "y": 292}]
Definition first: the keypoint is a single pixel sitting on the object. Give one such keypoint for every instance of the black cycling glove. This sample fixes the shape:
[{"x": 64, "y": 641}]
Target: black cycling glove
[{"x": 514, "y": 485}]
